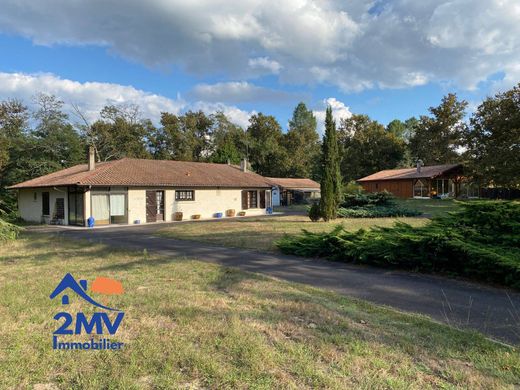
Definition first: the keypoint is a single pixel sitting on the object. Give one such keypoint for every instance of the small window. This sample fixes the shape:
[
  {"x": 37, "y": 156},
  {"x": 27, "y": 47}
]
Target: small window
[
  {"x": 45, "y": 203},
  {"x": 35, "y": 196},
  {"x": 253, "y": 200},
  {"x": 184, "y": 195}
]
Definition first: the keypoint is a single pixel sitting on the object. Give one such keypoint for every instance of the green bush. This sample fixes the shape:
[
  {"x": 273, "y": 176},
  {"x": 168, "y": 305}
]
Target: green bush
[
  {"x": 8, "y": 231},
  {"x": 384, "y": 198},
  {"x": 314, "y": 212},
  {"x": 352, "y": 187},
  {"x": 481, "y": 241},
  {"x": 372, "y": 211}
]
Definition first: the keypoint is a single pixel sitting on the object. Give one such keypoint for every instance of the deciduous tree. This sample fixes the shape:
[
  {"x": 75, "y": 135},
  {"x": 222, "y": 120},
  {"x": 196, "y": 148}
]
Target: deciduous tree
[
  {"x": 493, "y": 140},
  {"x": 264, "y": 144},
  {"x": 368, "y": 147},
  {"x": 437, "y": 137},
  {"x": 302, "y": 143}
]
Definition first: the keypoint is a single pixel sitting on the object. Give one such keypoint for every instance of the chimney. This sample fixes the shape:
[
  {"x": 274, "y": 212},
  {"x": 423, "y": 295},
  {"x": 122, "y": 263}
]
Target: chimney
[
  {"x": 243, "y": 165},
  {"x": 419, "y": 165},
  {"x": 91, "y": 158}
]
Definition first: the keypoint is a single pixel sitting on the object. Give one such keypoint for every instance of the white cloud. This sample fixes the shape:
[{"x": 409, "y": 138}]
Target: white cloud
[
  {"x": 339, "y": 111},
  {"x": 92, "y": 96},
  {"x": 234, "y": 114},
  {"x": 352, "y": 45},
  {"x": 265, "y": 65},
  {"x": 237, "y": 92}
]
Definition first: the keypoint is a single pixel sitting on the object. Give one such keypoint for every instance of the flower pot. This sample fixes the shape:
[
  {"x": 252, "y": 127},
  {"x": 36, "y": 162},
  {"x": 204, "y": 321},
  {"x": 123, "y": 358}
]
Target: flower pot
[
  {"x": 195, "y": 216},
  {"x": 241, "y": 213},
  {"x": 219, "y": 215},
  {"x": 177, "y": 216},
  {"x": 230, "y": 213}
]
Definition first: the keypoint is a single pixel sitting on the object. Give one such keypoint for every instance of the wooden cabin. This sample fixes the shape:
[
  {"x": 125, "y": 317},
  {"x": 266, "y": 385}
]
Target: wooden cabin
[{"x": 443, "y": 181}]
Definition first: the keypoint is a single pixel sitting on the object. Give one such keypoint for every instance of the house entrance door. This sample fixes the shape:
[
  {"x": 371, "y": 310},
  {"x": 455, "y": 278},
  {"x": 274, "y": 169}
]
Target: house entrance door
[{"x": 154, "y": 206}]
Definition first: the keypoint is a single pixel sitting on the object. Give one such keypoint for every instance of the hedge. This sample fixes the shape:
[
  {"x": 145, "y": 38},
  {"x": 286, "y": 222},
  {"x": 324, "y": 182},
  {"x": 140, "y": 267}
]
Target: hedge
[{"x": 481, "y": 241}]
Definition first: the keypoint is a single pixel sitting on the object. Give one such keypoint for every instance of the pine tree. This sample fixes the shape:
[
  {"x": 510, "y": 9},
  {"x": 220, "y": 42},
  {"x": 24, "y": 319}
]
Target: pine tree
[{"x": 331, "y": 175}]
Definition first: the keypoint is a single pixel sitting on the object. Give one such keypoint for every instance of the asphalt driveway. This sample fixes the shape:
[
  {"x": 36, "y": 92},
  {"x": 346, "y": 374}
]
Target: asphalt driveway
[{"x": 493, "y": 311}]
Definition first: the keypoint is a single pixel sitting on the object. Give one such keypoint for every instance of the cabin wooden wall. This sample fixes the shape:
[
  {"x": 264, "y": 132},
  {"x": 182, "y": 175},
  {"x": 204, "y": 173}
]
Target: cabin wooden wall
[{"x": 400, "y": 188}]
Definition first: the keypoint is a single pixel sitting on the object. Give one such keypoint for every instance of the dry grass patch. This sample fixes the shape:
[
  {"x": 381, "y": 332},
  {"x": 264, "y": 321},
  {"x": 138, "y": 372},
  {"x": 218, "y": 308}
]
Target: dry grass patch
[
  {"x": 261, "y": 233},
  {"x": 191, "y": 324}
]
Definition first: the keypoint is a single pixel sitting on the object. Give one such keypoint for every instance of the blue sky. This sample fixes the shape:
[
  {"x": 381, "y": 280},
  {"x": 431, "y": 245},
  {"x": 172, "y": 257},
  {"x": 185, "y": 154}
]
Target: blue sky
[{"x": 388, "y": 59}]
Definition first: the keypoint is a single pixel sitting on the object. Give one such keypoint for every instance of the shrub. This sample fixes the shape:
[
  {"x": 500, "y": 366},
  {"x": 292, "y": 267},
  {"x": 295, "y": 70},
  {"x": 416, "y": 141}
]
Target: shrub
[
  {"x": 8, "y": 231},
  {"x": 372, "y": 211},
  {"x": 481, "y": 241},
  {"x": 352, "y": 187},
  {"x": 314, "y": 212},
  {"x": 384, "y": 198}
]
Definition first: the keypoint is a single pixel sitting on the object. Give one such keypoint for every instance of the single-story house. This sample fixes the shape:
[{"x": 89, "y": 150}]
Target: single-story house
[
  {"x": 420, "y": 182},
  {"x": 132, "y": 191},
  {"x": 286, "y": 191}
]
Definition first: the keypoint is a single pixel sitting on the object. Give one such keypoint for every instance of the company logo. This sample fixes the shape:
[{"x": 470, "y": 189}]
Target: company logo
[{"x": 99, "y": 323}]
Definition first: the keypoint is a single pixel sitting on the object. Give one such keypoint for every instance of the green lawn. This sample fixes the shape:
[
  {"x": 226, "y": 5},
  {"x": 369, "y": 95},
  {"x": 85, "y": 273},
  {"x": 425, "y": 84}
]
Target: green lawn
[
  {"x": 430, "y": 207},
  {"x": 261, "y": 233},
  {"x": 190, "y": 324}
]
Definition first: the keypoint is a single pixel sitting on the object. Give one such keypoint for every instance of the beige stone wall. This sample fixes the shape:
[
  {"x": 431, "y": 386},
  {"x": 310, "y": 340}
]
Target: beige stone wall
[
  {"x": 208, "y": 202},
  {"x": 86, "y": 206},
  {"x": 30, "y": 203}
]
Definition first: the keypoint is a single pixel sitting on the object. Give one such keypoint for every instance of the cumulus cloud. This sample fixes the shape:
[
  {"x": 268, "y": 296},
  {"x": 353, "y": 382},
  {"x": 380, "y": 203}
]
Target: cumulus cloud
[
  {"x": 90, "y": 97},
  {"x": 265, "y": 65},
  {"x": 339, "y": 111},
  {"x": 352, "y": 45},
  {"x": 237, "y": 92},
  {"x": 234, "y": 114}
]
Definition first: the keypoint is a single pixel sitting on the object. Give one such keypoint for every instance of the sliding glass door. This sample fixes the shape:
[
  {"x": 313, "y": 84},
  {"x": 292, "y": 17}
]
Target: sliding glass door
[
  {"x": 101, "y": 209},
  {"x": 109, "y": 205},
  {"x": 76, "y": 206},
  {"x": 118, "y": 208}
]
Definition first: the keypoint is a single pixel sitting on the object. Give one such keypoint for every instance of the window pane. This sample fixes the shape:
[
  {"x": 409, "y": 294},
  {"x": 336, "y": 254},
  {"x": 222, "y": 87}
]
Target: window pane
[
  {"x": 185, "y": 195},
  {"x": 117, "y": 205},
  {"x": 45, "y": 203},
  {"x": 100, "y": 208}
]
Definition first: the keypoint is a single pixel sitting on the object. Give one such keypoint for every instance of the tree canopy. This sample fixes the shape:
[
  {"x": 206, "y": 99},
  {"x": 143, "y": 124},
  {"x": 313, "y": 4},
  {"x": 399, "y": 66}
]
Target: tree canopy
[
  {"x": 493, "y": 140},
  {"x": 368, "y": 147},
  {"x": 437, "y": 137}
]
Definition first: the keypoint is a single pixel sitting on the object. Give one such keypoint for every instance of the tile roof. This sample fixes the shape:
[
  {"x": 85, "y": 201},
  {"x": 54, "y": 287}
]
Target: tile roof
[
  {"x": 148, "y": 173},
  {"x": 411, "y": 173},
  {"x": 293, "y": 183}
]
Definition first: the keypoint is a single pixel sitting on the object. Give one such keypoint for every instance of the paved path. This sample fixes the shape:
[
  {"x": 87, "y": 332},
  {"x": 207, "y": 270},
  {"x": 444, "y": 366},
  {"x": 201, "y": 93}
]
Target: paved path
[{"x": 493, "y": 311}]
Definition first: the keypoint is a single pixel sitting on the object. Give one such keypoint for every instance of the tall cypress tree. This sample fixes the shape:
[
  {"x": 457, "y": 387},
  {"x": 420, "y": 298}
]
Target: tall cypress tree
[{"x": 331, "y": 175}]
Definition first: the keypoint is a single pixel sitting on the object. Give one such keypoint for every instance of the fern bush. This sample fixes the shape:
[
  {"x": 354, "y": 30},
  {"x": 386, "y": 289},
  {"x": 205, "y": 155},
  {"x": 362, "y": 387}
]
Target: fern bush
[{"x": 481, "y": 241}]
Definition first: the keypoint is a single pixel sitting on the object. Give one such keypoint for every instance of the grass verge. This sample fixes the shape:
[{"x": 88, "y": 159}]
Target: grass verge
[
  {"x": 261, "y": 233},
  {"x": 190, "y": 324}
]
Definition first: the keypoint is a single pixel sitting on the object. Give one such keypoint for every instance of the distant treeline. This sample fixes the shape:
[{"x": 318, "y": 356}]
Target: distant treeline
[{"x": 36, "y": 142}]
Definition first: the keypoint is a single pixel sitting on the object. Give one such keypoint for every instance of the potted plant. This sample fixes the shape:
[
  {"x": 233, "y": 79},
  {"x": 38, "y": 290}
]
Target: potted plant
[
  {"x": 230, "y": 213},
  {"x": 177, "y": 216},
  {"x": 195, "y": 216},
  {"x": 241, "y": 213}
]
